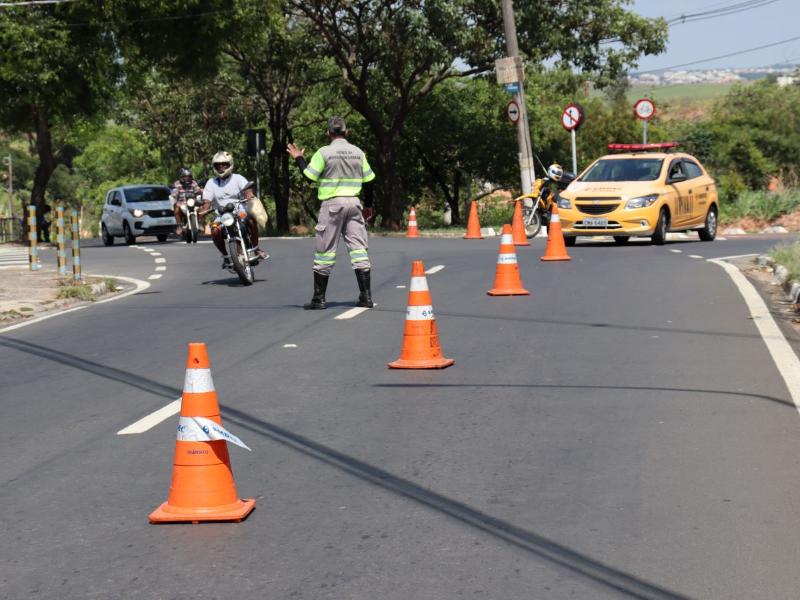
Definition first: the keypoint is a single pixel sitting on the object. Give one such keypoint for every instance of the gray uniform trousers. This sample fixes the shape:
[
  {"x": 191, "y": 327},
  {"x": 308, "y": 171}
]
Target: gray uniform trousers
[{"x": 340, "y": 216}]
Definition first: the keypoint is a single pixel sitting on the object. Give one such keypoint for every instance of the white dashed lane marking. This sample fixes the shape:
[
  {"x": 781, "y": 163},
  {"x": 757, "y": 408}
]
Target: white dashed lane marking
[
  {"x": 290, "y": 345},
  {"x": 677, "y": 251},
  {"x": 353, "y": 312},
  {"x": 435, "y": 269},
  {"x": 155, "y": 276},
  {"x": 161, "y": 268},
  {"x": 153, "y": 419},
  {"x": 155, "y": 254},
  {"x": 695, "y": 256},
  {"x": 160, "y": 260},
  {"x": 400, "y": 287}
]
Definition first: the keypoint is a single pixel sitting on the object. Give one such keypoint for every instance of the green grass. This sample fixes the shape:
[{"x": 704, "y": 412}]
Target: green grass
[
  {"x": 672, "y": 93},
  {"x": 789, "y": 257},
  {"x": 79, "y": 292}
]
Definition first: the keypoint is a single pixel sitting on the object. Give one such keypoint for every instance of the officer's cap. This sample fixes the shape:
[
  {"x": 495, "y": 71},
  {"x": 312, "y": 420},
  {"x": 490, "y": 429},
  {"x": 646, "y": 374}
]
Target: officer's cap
[{"x": 336, "y": 126}]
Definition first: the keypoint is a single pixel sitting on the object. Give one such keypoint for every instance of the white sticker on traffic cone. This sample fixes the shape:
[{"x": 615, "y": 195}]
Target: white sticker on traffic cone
[{"x": 200, "y": 429}]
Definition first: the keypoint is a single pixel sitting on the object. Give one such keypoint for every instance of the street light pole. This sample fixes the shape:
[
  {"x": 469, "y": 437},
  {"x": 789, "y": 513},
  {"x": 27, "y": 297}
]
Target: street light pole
[{"x": 526, "y": 169}]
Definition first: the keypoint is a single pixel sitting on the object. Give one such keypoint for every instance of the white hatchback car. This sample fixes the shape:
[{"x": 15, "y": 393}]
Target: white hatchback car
[{"x": 133, "y": 210}]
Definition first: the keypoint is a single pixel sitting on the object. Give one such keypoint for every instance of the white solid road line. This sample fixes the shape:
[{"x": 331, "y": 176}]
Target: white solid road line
[
  {"x": 153, "y": 419},
  {"x": 155, "y": 276},
  {"x": 353, "y": 312},
  {"x": 435, "y": 269},
  {"x": 785, "y": 359}
]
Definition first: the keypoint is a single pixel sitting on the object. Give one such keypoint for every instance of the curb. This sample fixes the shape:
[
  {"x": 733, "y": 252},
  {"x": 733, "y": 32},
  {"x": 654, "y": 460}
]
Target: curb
[{"x": 790, "y": 286}]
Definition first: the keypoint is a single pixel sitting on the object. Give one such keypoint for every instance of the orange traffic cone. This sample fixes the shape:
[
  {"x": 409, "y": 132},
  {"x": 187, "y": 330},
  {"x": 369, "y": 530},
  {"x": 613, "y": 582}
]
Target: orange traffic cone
[
  {"x": 412, "y": 232},
  {"x": 518, "y": 226},
  {"x": 473, "y": 224},
  {"x": 421, "y": 349},
  {"x": 202, "y": 487},
  {"x": 507, "y": 281},
  {"x": 556, "y": 249}
]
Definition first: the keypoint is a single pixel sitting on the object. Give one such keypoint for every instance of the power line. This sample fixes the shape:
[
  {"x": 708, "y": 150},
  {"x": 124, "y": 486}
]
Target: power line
[
  {"x": 719, "y": 12},
  {"x": 696, "y": 62},
  {"x": 723, "y": 10}
]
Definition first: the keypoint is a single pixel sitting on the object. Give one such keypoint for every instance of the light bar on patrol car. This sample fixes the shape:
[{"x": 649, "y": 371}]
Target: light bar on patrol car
[{"x": 644, "y": 147}]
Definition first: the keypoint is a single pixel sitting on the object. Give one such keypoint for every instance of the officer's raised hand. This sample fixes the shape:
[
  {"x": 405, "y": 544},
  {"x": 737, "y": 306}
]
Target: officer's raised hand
[{"x": 294, "y": 151}]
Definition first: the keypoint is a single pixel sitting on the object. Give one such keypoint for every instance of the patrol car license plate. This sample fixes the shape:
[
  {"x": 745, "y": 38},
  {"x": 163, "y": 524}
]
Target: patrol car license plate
[{"x": 595, "y": 222}]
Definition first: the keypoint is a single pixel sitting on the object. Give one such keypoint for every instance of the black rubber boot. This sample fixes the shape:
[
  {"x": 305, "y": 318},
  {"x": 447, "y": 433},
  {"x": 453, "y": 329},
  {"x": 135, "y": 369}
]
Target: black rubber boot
[
  {"x": 318, "y": 300},
  {"x": 365, "y": 297}
]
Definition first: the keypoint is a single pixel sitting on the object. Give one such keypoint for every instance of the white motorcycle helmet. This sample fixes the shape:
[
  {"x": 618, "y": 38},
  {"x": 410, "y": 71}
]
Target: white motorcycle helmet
[
  {"x": 555, "y": 172},
  {"x": 222, "y": 158}
]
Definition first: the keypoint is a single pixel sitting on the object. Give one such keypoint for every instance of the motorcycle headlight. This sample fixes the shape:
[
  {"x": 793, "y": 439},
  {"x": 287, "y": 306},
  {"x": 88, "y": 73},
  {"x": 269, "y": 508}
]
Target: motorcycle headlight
[
  {"x": 564, "y": 202},
  {"x": 641, "y": 201},
  {"x": 190, "y": 202},
  {"x": 227, "y": 219},
  {"x": 137, "y": 212}
]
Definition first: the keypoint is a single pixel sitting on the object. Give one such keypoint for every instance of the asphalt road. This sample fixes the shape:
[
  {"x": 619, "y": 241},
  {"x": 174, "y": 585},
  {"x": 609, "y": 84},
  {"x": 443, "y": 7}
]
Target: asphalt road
[{"x": 620, "y": 433}]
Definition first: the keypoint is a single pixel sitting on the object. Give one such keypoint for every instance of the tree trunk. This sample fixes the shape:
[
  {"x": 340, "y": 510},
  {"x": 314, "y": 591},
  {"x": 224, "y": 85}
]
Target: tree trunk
[
  {"x": 47, "y": 160},
  {"x": 393, "y": 201},
  {"x": 279, "y": 181}
]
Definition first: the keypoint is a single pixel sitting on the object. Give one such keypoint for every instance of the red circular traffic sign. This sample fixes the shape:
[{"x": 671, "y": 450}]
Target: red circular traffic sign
[
  {"x": 644, "y": 109},
  {"x": 512, "y": 110},
  {"x": 572, "y": 117}
]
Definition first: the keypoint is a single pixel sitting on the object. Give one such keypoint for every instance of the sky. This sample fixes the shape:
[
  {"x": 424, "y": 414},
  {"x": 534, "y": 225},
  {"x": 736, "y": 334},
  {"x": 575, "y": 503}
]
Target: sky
[{"x": 772, "y": 22}]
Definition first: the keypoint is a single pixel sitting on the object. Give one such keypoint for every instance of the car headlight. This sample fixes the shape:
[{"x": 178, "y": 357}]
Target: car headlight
[
  {"x": 137, "y": 212},
  {"x": 641, "y": 201},
  {"x": 564, "y": 202},
  {"x": 190, "y": 202},
  {"x": 227, "y": 219}
]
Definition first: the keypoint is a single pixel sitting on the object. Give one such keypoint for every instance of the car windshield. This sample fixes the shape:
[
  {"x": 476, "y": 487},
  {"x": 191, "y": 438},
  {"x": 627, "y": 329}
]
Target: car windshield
[
  {"x": 147, "y": 194},
  {"x": 624, "y": 169}
]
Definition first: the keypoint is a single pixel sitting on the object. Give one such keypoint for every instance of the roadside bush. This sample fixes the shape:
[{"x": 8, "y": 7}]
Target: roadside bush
[
  {"x": 767, "y": 206},
  {"x": 497, "y": 214}
]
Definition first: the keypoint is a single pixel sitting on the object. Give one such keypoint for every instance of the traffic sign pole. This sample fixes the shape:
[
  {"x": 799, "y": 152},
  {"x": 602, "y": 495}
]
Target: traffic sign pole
[
  {"x": 574, "y": 154},
  {"x": 644, "y": 132}
]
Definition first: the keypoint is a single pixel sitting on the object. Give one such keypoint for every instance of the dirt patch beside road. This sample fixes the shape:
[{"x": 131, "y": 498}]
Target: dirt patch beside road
[{"x": 27, "y": 294}]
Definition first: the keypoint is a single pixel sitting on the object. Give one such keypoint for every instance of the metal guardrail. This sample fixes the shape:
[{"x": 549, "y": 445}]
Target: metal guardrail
[{"x": 10, "y": 230}]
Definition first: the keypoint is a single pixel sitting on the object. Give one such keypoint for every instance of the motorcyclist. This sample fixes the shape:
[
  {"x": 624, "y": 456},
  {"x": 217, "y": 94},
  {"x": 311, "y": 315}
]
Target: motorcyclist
[
  {"x": 227, "y": 186},
  {"x": 184, "y": 183}
]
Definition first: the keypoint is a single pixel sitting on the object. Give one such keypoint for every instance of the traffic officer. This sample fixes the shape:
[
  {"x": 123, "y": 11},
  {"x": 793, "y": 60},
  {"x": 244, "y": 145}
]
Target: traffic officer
[{"x": 340, "y": 168}]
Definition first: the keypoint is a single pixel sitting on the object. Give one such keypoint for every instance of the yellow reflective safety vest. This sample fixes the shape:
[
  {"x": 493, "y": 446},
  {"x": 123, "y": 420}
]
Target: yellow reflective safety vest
[{"x": 340, "y": 168}]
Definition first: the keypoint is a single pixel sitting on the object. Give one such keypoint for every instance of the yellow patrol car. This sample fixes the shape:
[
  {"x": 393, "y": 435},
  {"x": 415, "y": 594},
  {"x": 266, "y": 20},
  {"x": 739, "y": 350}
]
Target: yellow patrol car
[{"x": 640, "y": 190}]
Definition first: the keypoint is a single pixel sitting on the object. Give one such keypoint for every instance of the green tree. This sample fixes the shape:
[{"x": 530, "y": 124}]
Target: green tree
[
  {"x": 459, "y": 133},
  {"x": 52, "y": 75},
  {"x": 392, "y": 54}
]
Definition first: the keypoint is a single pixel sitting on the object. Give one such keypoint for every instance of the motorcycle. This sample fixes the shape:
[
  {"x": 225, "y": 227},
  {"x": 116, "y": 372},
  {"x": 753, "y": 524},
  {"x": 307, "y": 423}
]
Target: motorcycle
[
  {"x": 240, "y": 251},
  {"x": 191, "y": 212},
  {"x": 538, "y": 205}
]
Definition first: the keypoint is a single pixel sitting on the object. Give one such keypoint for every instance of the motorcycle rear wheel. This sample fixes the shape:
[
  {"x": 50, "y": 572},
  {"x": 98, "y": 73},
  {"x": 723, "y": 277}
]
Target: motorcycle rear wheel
[{"x": 240, "y": 263}]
